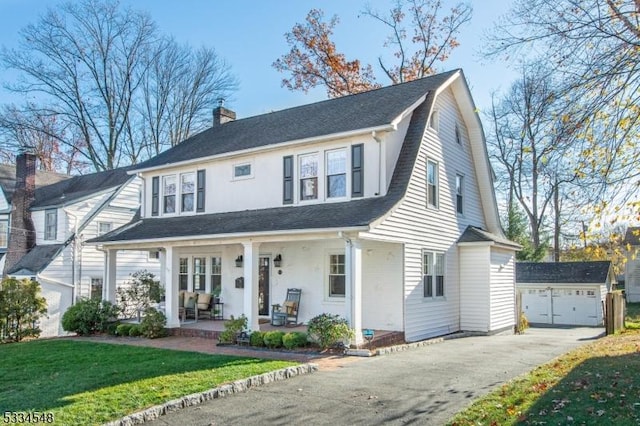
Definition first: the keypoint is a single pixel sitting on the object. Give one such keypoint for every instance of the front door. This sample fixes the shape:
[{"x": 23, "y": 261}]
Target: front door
[{"x": 263, "y": 286}]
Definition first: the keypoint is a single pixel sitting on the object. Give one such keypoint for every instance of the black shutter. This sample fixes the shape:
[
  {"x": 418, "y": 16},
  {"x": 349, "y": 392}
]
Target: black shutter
[
  {"x": 287, "y": 178},
  {"x": 357, "y": 170},
  {"x": 200, "y": 191},
  {"x": 155, "y": 196}
]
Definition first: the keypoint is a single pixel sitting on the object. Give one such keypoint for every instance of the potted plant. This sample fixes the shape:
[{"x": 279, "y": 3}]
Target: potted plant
[{"x": 216, "y": 294}]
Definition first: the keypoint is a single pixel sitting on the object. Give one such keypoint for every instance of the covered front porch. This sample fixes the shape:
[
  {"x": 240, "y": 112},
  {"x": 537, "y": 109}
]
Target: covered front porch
[{"x": 338, "y": 273}]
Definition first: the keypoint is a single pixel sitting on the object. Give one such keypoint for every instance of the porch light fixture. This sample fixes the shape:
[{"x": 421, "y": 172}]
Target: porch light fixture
[
  {"x": 239, "y": 261},
  {"x": 277, "y": 261}
]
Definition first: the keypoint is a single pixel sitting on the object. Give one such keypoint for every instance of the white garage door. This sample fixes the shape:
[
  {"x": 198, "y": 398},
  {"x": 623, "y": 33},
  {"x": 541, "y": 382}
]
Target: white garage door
[
  {"x": 562, "y": 306},
  {"x": 575, "y": 306},
  {"x": 536, "y": 305}
]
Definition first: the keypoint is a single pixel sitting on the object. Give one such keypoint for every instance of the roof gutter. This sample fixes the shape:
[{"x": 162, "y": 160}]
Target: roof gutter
[
  {"x": 384, "y": 128},
  {"x": 238, "y": 235}
]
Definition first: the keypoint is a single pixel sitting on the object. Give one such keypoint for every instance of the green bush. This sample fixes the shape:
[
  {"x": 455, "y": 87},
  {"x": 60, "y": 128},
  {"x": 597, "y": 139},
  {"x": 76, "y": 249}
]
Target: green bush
[
  {"x": 328, "y": 330},
  {"x": 273, "y": 339},
  {"x": 89, "y": 316},
  {"x": 152, "y": 325},
  {"x": 232, "y": 327},
  {"x": 123, "y": 329},
  {"x": 112, "y": 328},
  {"x": 296, "y": 339},
  {"x": 257, "y": 339},
  {"x": 135, "y": 330},
  {"x": 21, "y": 307}
]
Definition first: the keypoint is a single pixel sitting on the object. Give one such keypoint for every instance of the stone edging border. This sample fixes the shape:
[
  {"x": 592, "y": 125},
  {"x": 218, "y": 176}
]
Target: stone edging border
[
  {"x": 407, "y": 346},
  {"x": 153, "y": 413}
]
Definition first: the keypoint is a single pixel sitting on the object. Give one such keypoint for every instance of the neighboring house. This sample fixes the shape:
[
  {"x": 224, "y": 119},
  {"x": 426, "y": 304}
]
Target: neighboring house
[
  {"x": 50, "y": 220},
  {"x": 564, "y": 293},
  {"x": 379, "y": 206},
  {"x": 632, "y": 266}
]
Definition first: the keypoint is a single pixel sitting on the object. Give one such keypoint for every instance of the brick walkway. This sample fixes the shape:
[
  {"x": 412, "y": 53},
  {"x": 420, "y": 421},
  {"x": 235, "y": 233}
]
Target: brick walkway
[{"x": 325, "y": 361}]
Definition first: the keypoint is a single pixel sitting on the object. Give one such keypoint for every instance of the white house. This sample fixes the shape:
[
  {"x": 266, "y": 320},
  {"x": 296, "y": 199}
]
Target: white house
[
  {"x": 379, "y": 206},
  {"x": 50, "y": 222},
  {"x": 632, "y": 266}
]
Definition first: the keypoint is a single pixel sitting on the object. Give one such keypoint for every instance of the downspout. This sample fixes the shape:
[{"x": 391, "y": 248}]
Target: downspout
[
  {"x": 73, "y": 255},
  {"x": 375, "y": 136},
  {"x": 348, "y": 285},
  {"x": 142, "y": 195}
]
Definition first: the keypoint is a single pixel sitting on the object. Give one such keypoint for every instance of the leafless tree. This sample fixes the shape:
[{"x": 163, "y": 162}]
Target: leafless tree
[{"x": 88, "y": 64}]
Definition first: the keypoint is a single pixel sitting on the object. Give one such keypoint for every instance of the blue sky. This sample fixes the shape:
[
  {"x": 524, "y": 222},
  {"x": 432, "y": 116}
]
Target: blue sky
[{"x": 249, "y": 35}]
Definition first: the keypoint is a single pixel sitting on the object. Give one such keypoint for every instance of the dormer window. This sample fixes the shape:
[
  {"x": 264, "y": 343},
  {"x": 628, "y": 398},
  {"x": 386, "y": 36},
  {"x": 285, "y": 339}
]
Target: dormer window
[
  {"x": 188, "y": 186},
  {"x": 337, "y": 173},
  {"x": 50, "y": 224},
  {"x": 169, "y": 194},
  {"x": 4, "y": 233},
  {"x": 309, "y": 176},
  {"x": 434, "y": 123}
]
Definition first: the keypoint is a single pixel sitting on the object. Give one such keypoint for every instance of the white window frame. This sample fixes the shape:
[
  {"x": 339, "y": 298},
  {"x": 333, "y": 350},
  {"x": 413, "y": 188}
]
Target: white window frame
[
  {"x": 329, "y": 274},
  {"x": 345, "y": 172},
  {"x": 433, "y": 203},
  {"x": 96, "y": 281},
  {"x": 200, "y": 271},
  {"x": 182, "y": 272},
  {"x": 51, "y": 228},
  {"x": 235, "y": 167},
  {"x": 310, "y": 177},
  {"x": 459, "y": 194},
  {"x": 4, "y": 233},
  {"x": 182, "y": 193},
  {"x": 176, "y": 195},
  {"x": 434, "y": 266},
  {"x": 102, "y": 224},
  {"x": 216, "y": 270}
]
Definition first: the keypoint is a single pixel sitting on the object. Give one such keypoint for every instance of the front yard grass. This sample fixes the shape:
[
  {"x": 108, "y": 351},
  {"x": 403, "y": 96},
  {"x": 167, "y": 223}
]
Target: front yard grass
[
  {"x": 597, "y": 383},
  {"x": 92, "y": 383}
]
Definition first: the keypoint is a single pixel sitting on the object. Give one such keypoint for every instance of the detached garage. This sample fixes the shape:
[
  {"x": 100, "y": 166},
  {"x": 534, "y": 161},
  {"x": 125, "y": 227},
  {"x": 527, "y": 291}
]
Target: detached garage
[{"x": 564, "y": 293}]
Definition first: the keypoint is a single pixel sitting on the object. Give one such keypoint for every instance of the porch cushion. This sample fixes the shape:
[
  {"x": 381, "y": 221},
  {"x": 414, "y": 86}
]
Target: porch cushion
[
  {"x": 290, "y": 307},
  {"x": 190, "y": 300},
  {"x": 203, "y": 301}
]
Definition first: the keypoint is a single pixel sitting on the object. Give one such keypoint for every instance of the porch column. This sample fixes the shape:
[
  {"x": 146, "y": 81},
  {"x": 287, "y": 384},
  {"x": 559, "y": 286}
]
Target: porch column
[
  {"x": 353, "y": 287},
  {"x": 170, "y": 288},
  {"x": 251, "y": 257},
  {"x": 109, "y": 279}
]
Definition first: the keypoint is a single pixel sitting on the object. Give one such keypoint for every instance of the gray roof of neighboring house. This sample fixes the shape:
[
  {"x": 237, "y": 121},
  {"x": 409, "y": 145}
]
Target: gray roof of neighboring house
[
  {"x": 78, "y": 187},
  {"x": 36, "y": 260},
  {"x": 632, "y": 237},
  {"x": 476, "y": 235},
  {"x": 563, "y": 272},
  {"x": 348, "y": 113},
  {"x": 8, "y": 179},
  {"x": 354, "y": 213}
]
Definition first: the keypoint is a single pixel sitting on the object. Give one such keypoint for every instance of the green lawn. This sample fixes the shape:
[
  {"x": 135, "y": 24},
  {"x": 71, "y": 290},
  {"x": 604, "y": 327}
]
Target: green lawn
[
  {"x": 598, "y": 383},
  {"x": 92, "y": 383}
]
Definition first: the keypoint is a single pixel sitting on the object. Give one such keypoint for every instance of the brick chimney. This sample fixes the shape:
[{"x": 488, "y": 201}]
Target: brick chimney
[
  {"x": 222, "y": 115},
  {"x": 22, "y": 236}
]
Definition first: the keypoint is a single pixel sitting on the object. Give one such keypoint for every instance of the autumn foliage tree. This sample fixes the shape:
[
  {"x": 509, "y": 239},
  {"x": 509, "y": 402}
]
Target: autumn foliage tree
[{"x": 421, "y": 34}]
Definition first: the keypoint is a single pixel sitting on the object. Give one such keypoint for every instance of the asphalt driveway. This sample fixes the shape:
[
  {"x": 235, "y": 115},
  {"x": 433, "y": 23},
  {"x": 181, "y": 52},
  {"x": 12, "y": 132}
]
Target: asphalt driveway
[{"x": 424, "y": 386}]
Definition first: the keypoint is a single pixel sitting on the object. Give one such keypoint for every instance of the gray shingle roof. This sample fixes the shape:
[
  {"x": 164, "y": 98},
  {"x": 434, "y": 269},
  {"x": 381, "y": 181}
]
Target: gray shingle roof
[
  {"x": 632, "y": 237},
  {"x": 8, "y": 179},
  {"x": 37, "y": 259},
  {"x": 562, "y": 272},
  {"x": 362, "y": 111},
  {"x": 78, "y": 187},
  {"x": 475, "y": 235},
  {"x": 353, "y": 213}
]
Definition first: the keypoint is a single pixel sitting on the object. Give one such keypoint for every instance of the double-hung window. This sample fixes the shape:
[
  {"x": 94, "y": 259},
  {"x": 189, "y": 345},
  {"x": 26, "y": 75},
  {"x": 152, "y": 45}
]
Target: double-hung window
[
  {"x": 216, "y": 275},
  {"x": 433, "y": 274},
  {"x": 336, "y": 275},
  {"x": 104, "y": 227},
  {"x": 187, "y": 191},
  {"x": 169, "y": 194},
  {"x": 199, "y": 273},
  {"x": 4, "y": 233},
  {"x": 50, "y": 224},
  {"x": 96, "y": 288},
  {"x": 459, "y": 194},
  {"x": 183, "y": 274},
  {"x": 336, "y": 165},
  {"x": 432, "y": 183},
  {"x": 309, "y": 176}
]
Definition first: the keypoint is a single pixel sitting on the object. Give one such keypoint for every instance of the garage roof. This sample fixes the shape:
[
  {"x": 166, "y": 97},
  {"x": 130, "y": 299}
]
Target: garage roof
[{"x": 563, "y": 272}]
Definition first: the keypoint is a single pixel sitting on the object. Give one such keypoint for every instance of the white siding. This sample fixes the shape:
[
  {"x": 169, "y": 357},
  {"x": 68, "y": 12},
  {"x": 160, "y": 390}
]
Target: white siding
[
  {"x": 435, "y": 229},
  {"x": 632, "y": 276},
  {"x": 474, "y": 288},
  {"x": 58, "y": 299},
  {"x": 502, "y": 290}
]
